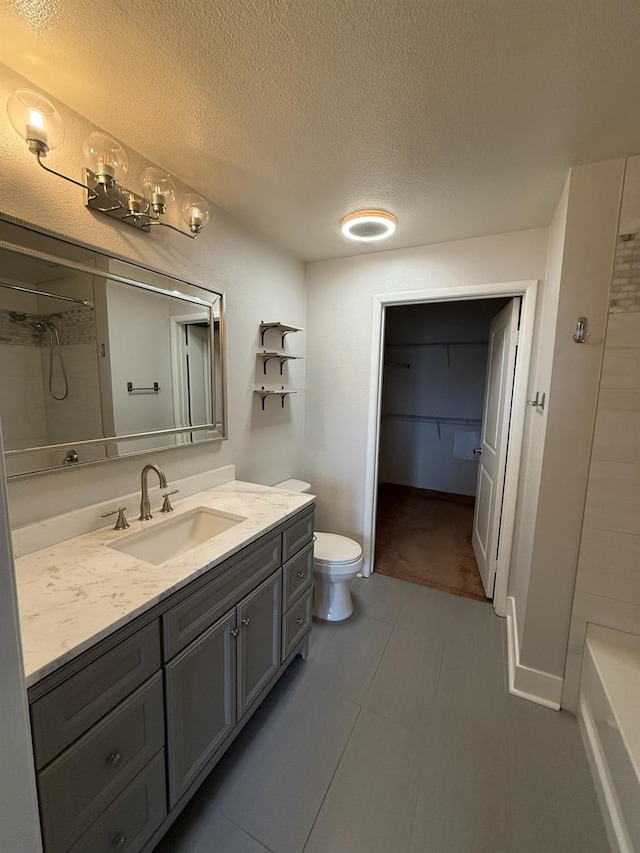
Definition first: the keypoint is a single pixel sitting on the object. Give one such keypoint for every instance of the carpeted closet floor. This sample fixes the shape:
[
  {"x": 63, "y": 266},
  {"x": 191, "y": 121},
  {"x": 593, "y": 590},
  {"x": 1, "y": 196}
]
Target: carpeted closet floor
[{"x": 425, "y": 537}]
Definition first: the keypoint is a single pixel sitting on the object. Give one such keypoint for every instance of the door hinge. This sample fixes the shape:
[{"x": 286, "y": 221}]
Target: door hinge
[{"x": 515, "y": 337}]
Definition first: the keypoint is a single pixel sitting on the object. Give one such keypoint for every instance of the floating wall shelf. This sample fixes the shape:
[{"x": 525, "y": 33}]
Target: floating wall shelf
[
  {"x": 280, "y": 356},
  {"x": 275, "y": 392},
  {"x": 283, "y": 330}
]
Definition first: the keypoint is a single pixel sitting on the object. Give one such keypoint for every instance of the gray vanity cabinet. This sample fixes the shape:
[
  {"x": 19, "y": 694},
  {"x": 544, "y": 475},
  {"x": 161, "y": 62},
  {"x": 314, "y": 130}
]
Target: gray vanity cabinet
[
  {"x": 138, "y": 721},
  {"x": 258, "y": 640},
  {"x": 210, "y": 685},
  {"x": 201, "y": 702}
]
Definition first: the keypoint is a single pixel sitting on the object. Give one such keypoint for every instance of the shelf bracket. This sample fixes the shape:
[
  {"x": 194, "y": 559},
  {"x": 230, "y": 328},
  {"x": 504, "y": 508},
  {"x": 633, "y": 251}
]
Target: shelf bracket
[
  {"x": 283, "y": 394},
  {"x": 282, "y": 328},
  {"x": 281, "y": 357}
]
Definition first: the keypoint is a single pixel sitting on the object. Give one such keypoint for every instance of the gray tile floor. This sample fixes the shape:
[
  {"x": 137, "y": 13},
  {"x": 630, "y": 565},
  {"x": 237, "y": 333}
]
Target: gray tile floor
[{"x": 398, "y": 736}]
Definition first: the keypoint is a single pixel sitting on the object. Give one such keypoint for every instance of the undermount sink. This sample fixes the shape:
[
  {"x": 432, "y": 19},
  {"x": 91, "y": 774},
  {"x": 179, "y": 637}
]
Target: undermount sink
[{"x": 175, "y": 536}]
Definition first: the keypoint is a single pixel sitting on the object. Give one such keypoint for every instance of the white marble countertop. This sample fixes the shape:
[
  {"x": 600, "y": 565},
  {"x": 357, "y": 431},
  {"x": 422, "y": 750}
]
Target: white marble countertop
[{"x": 74, "y": 594}]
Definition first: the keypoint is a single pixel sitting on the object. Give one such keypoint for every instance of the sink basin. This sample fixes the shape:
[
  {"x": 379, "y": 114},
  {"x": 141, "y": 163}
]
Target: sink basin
[{"x": 177, "y": 535}]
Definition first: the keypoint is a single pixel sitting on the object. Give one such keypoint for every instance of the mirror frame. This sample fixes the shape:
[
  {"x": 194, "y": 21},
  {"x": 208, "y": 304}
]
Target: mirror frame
[{"x": 220, "y": 427}]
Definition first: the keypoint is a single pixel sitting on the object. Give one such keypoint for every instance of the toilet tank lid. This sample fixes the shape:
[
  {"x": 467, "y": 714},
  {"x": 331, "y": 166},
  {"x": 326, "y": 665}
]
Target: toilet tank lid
[
  {"x": 294, "y": 486},
  {"x": 332, "y": 548}
]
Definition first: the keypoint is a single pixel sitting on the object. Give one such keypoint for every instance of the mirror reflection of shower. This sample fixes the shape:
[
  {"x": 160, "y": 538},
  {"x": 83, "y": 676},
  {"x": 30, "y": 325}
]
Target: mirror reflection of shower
[{"x": 41, "y": 324}]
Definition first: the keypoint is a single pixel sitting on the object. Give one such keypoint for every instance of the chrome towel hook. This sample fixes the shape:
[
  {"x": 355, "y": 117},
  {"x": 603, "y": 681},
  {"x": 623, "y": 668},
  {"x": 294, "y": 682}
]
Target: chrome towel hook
[{"x": 581, "y": 336}]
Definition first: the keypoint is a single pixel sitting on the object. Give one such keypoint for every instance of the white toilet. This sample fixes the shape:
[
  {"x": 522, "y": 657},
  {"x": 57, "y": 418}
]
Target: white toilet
[{"x": 336, "y": 559}]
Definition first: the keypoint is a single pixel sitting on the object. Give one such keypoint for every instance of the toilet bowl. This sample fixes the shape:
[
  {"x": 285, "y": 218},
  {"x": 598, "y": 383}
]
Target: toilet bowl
[{"x": 336, "y": 559}]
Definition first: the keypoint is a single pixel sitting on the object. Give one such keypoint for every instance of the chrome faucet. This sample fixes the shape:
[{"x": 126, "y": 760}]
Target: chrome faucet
[{"x": 145, "y": 503}]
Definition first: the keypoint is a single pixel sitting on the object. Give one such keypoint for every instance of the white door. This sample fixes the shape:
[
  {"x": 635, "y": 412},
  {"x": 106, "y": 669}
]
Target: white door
[
  {"x": 199, "y": 376},
  {"x": 498, "y": 391}
]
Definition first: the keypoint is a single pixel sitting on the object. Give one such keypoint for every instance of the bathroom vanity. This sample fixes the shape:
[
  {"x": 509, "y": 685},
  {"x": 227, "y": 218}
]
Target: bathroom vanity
[{"x": 130, "y": 714}]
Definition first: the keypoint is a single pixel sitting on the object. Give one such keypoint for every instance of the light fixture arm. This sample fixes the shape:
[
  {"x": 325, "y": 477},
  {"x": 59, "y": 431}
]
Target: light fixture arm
[
  {"x": 153, "y": 221},
  {"x": 39, "y": 155},
  {"x": 117, "y": 203}
]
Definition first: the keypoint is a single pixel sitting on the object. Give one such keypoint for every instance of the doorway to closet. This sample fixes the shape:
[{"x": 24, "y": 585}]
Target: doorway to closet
[{"x": 447, "y": 386}]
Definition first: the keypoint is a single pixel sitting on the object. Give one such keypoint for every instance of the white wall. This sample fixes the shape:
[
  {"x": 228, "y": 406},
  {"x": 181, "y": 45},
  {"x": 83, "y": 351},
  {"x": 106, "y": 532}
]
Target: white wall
[
  {"x": 139, "y": 353},
  {"x": 261, "y": 281},
  {"x": 587, "y": 263},
  {"x": 340, "y": 298},
  {"x": 535, "y": 422}
]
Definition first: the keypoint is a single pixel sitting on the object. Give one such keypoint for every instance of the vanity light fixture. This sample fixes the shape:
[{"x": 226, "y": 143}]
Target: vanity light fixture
[
  {"x": 40, "y": 124},
  {"x": 367, "y": 226}
]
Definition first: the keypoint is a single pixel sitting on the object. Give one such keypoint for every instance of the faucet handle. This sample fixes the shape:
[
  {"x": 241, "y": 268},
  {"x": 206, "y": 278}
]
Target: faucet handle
[
  {"x": 166, "y": 506},
  {"x": 121, "y": 523}
]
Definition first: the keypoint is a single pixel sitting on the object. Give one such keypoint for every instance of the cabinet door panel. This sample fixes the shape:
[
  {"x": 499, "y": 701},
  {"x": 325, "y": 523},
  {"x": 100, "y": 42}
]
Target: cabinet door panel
[
  {"x": 201, "y": 703},
  {"x": 297, "y": 576},
  {"x": 75, "y": 788},
  {"x": 187, "y": 620},
  {"x": 62, "y": 715},
  {"x": 258, "y": 640},
  {"x": 132, "y": 818},
  {"x": 297, "y": 535},
  {"x": 296, "y": 623}
]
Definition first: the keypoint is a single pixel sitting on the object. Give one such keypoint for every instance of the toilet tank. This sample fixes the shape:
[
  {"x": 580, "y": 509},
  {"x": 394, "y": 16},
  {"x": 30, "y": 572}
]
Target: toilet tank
[{"x": 294, "y": 486}]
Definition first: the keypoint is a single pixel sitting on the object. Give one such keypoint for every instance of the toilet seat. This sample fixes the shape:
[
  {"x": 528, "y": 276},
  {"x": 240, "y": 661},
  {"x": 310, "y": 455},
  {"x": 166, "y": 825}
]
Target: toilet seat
[{"x": 333, "y": 549}]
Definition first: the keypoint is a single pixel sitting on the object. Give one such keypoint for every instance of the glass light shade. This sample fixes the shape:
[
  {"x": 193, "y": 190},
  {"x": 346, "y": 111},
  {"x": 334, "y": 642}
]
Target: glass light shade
[
  {"x": 367, "y": 226},
  {"x": 36, "y": 120},
  {"x": 104, "y": 156},
  {"x": 158, "y": 183},
  {"x": 195, "y": 212}
]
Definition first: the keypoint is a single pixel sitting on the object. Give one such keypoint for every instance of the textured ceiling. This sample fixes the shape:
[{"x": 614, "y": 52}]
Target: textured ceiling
[{"x": 460, "y": 116}]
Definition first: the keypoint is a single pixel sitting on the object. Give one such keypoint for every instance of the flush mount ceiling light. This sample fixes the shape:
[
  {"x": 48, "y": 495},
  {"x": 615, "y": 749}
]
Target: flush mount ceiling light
[
  {"x": 39, "y": 123},
  {"x": 367, "y": 226}
]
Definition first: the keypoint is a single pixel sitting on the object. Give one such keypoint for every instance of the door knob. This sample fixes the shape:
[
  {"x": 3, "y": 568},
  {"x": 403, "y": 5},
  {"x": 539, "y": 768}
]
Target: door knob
[
  {"x": 477, "y": 450},
  {"x": 245, "y": 620},
  {"x": 234, "y": 632}
]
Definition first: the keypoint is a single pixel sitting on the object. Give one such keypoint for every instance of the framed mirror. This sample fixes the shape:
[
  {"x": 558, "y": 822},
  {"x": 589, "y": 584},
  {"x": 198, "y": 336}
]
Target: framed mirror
[{"x": 101, "y": 358}]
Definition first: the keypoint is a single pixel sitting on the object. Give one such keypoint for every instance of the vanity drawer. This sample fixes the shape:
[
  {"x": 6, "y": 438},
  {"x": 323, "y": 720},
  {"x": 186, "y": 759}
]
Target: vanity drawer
[
  {"x": 297, "y": 535},
  {"x": 61, "y": 716},
  {"x": 187, "y": 620},
  {"x": 296, "y": 623},
  {"x": 76, "y": 788},
  {"x": 297, "y": 575},
  {"x": 131, "y": 820}
]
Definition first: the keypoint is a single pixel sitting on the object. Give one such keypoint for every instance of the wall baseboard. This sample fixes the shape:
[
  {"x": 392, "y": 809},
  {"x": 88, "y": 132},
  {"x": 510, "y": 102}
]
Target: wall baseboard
[{"x": 524, "y": 681}]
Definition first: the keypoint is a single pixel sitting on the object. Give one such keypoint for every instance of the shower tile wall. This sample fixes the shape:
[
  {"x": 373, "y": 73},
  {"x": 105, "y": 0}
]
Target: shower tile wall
[
  {"x": 80, "y": 414},
  {"x": 608, "y": 580},
  {"x": 625, "y": 292},
  {"x": 23, "y": 411},
  {"x": 30, "y": 416}
]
